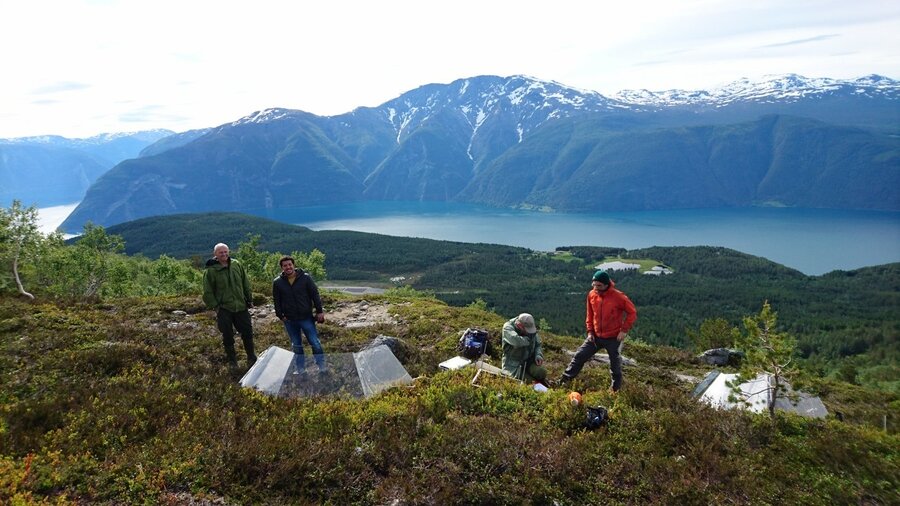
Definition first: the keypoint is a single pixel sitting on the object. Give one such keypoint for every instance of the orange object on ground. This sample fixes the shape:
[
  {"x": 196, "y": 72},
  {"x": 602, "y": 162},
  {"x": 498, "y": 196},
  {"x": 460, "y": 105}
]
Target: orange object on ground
[{"x": 575, "y": 398}]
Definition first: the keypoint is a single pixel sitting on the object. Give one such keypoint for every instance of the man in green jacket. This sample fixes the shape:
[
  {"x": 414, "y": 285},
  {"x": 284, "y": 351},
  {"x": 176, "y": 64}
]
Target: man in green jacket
[
  {"x": 226, "y": 288},
  {"x": 523, "y": 358}
]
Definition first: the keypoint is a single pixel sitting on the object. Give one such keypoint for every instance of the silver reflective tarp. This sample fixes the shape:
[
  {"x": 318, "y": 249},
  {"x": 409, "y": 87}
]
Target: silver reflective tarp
[
  {"x": 361, "y": 374},
  {"x": 755, "y": 394}
]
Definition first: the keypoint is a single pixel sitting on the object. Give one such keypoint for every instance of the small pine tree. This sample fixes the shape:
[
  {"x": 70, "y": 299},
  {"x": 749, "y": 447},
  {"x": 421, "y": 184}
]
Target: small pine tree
[
  {"x": 766, "y": 351},
  {"x": 713, "y": 333},
  {"x": 478, "y": 303},
  {"x": 544, "y": 325}
]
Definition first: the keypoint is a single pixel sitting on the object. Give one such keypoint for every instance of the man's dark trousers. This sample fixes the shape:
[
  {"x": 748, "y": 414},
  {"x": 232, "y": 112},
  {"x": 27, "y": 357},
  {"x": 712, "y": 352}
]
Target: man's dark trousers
[{"x": 240, "y": 320}]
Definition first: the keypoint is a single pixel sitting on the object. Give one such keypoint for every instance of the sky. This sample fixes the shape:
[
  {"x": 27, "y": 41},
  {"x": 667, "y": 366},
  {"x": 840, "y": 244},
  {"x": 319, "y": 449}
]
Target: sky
[{"x": 78, "y": 68}]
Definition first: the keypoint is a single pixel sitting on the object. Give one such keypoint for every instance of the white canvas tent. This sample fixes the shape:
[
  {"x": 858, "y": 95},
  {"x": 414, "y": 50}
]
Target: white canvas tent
[
  {"x": 361, "y": 374},
  {"x": 714, "y": 390}
]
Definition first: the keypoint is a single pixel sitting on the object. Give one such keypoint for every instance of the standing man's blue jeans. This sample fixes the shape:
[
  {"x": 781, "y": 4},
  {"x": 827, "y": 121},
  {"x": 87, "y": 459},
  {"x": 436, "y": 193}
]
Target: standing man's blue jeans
[{"x": 308, "y": 327}]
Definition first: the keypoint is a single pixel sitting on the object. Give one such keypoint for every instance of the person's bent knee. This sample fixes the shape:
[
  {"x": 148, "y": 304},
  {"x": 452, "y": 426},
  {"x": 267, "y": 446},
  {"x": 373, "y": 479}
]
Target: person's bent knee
[{"x": 537, "y": 372}]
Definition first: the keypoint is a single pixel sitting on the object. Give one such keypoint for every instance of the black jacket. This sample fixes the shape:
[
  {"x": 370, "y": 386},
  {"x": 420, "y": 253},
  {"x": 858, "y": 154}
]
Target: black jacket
[{"x": 296, "y": 301}]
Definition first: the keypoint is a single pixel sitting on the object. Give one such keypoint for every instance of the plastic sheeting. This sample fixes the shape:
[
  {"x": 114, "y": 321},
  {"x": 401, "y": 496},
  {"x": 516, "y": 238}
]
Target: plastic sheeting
[
  {"x": 361, "y": 374},
  {"x": 714, "y": 391}
]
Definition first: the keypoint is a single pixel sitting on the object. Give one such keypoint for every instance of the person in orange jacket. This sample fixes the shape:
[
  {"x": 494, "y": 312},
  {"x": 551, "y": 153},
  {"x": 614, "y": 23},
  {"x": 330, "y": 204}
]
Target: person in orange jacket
[{"x": 610, "y": 315}]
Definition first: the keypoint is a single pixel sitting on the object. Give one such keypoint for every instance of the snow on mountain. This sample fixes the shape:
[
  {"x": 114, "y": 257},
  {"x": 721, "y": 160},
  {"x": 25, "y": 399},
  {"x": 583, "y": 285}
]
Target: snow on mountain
[
  {"x": 96, "y": 140},
  {"x": 528, "y": 101},
  {"x": 773, "y": 88},
  {"x": 533, "y": 101},
  {"x": 265, "y": 116},
  {"x": 37, "y": 139},
  {"x": 154, "y": 134}
]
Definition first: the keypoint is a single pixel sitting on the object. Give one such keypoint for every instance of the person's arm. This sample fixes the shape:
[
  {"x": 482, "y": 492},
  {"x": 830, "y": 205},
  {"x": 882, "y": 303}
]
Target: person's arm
[
  {"x": 511, "y": 337},
  {"x": 316, "y": 300},
  {"x": 630, "y": 316},
  {"x": 276, "y": 299},
  {"x": 248, "y": 292},
  {"x": 209, "y": 291},
  {"x": 538, "y": 350},
  {"x": 589, "y": 316}
]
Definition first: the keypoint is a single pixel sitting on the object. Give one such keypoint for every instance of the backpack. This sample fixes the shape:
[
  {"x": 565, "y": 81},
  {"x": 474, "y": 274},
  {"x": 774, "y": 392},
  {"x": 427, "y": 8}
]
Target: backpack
[
  {"x": 473, "y": 343},
  {"x": 596, "y": 417}
]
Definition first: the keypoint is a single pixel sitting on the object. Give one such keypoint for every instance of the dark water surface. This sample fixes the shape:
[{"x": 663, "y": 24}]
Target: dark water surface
[{"x": 813, "y": 241}]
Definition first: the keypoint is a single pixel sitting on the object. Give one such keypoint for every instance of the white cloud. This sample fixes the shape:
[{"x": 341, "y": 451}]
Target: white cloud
[{"x": 80, "y": 67}]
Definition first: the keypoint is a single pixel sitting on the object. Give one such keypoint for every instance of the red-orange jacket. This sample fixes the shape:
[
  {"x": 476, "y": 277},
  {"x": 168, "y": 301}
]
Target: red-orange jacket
[{"x": 609, "y": 313}]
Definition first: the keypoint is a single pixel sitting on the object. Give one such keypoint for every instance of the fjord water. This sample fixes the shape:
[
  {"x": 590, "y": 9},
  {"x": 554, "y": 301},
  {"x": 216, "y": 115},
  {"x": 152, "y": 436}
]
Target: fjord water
[{"x": 813, "y": 241}]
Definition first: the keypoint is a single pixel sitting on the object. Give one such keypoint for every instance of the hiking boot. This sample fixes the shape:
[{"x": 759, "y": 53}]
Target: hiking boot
[
  {"x": 232, "y": 362},
  {"x": 250, "y": 361}
]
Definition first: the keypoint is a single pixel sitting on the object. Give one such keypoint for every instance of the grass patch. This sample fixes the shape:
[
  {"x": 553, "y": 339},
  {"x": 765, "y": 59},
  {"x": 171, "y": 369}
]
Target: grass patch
[{"x": 115, "y": 403}]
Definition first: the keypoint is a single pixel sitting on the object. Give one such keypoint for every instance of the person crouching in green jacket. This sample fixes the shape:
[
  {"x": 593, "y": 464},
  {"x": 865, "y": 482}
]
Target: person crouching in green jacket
[
  {"x": 523, "y": 358},
  {"x": 226, "y": 289}
]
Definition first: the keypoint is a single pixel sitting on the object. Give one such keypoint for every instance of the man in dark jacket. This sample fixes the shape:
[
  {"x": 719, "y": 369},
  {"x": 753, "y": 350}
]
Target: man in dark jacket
[
  {"x": 226, "y": 289},
  {"x": 609, "y": 316},
  {"x": 295, "y": 294}
]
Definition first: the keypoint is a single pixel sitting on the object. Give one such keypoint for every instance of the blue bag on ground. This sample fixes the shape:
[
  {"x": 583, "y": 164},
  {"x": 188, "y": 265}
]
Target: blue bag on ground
[{"x": 473, "y": 343}]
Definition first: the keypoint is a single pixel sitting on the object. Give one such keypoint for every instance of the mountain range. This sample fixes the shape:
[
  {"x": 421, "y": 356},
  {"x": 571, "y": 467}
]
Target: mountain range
[
  {"x": 51, "y": 170},
  {"x": 522, "y": 142}
]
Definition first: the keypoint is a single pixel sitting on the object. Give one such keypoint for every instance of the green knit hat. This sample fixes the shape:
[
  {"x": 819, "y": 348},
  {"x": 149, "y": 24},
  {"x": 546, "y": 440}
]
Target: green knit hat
[{"x": 602, "y": 277}]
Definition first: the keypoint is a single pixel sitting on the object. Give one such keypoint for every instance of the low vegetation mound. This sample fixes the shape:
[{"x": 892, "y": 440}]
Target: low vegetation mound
[{"x": 129, "y": 401}]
